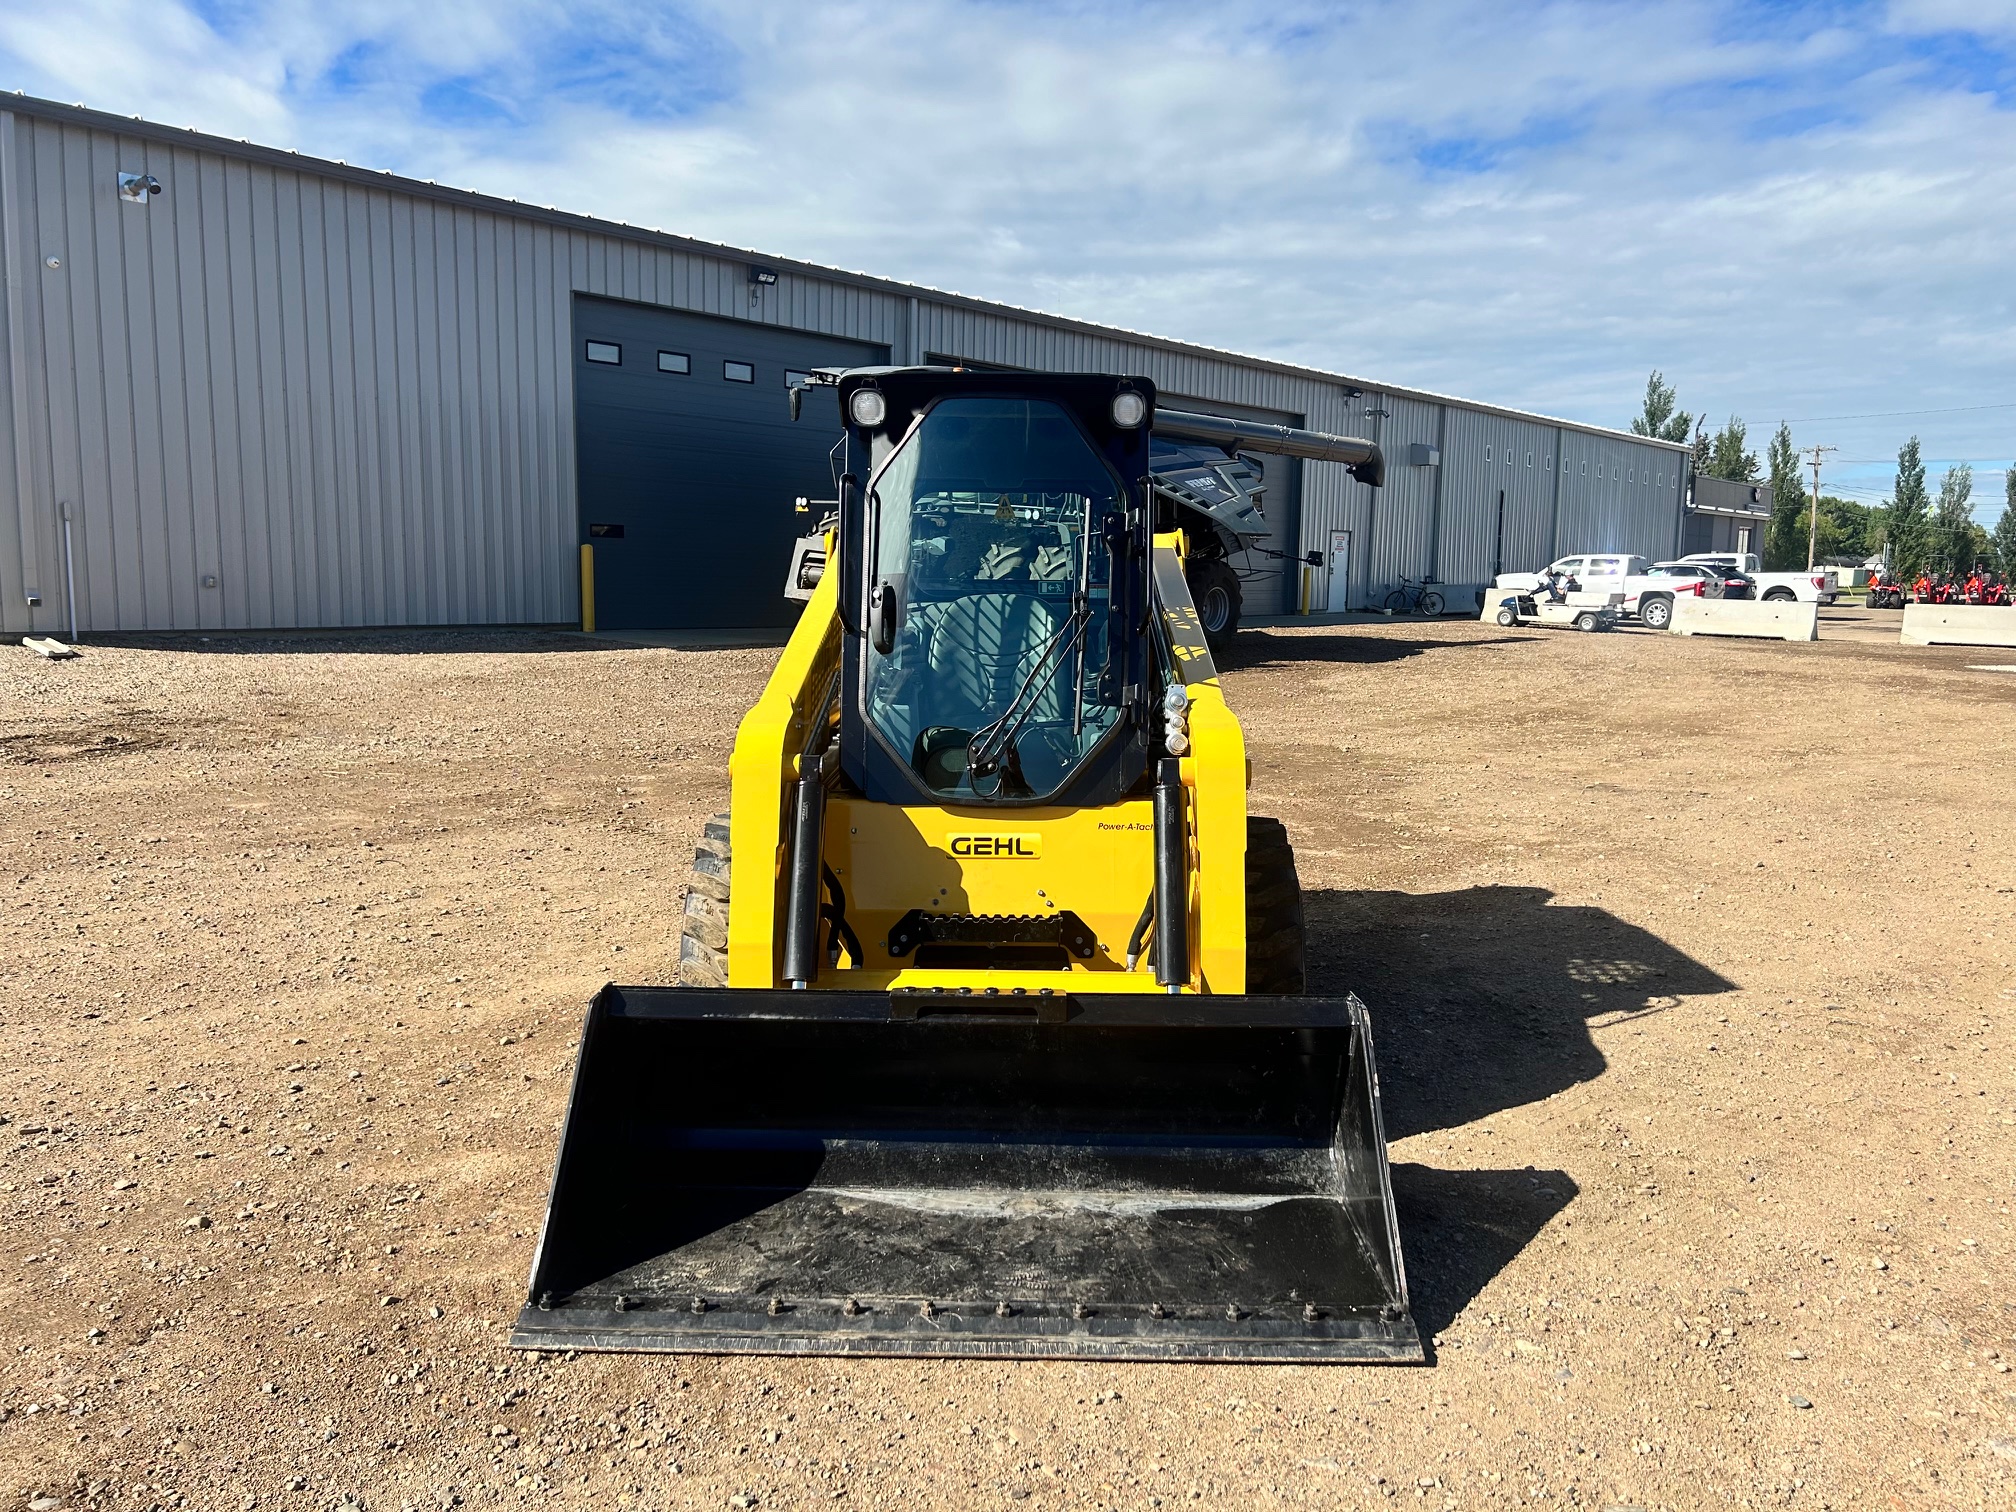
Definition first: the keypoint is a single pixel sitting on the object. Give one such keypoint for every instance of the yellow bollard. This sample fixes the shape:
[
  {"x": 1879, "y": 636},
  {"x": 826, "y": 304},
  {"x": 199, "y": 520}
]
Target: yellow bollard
[{"x": 587, "y": 589}]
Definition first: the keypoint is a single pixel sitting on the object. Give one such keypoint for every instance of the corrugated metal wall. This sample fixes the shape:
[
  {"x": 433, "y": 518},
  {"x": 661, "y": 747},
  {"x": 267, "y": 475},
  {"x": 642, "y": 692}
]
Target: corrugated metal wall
[
  {"x": 1616, "y": 497},
  {"x": 271, "y": 397},
  {"x": 1509, "y": 469},
  {"x": 286, "y": 394}
]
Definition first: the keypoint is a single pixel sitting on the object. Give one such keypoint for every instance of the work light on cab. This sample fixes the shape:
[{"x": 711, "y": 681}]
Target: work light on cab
[{"x": 868, "y": 408}]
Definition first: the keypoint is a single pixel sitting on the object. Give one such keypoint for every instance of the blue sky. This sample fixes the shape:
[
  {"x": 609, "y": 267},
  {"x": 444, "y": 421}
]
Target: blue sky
[{"x": 1802, "y": 212}]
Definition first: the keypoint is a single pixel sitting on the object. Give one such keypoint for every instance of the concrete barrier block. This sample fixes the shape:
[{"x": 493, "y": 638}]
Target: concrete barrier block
[
  {"x": 1745, "y": 617},
  {"x": 1959, "y": 625}
]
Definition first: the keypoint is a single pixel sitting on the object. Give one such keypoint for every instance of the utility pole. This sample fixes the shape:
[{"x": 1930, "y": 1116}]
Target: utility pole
[{"x": 1813, "y": 515}]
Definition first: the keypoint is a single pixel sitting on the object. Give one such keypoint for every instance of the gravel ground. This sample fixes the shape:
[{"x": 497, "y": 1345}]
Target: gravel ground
[{"x": 1690, "y": 962}]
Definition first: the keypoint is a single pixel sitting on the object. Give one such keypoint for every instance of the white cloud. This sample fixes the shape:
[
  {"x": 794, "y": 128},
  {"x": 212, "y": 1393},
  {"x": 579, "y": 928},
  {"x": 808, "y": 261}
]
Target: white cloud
[
  {"x": 1533, "y": 205},
  {"x": 1987, "y": 17}
]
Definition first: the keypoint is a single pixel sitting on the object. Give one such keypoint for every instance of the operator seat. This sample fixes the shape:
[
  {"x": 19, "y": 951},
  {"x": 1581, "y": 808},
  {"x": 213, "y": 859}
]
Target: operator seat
[{"x": 983, "y": 647}]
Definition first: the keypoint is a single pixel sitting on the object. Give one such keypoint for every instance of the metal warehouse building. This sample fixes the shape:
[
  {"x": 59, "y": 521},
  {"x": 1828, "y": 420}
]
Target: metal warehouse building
[{"x": 283, "y": 392}]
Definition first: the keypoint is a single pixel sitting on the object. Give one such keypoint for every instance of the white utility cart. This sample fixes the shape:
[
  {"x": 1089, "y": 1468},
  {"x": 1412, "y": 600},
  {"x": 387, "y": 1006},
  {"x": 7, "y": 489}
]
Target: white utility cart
[{"x": 1584, "y": 611}]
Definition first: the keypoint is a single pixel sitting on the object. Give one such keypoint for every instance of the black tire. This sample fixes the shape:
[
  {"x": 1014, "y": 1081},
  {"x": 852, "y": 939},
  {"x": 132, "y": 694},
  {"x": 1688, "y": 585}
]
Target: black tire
[
  {"x": 1508, "y": 617},
  {"x": 1396, "y": 602},
  {"x": 1431, "y": 604},
  {"x": 1276, "y": 963},
  {"x": 1656, "y": 612},
  {"x": 703, "y": 937},
  {"x": 1779, "y": 596},
  {"x": 1214, "y": 589}
]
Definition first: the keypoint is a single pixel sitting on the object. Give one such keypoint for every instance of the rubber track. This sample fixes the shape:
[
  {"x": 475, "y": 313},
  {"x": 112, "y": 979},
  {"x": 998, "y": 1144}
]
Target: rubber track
[{"x": 1274, "y": 946}]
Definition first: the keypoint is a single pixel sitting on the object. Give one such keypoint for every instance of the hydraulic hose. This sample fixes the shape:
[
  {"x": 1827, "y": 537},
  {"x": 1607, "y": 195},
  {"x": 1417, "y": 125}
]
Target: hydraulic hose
[{"x": 1141, "y": 927}]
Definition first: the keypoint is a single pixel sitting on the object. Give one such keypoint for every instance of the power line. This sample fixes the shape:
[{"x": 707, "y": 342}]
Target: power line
[{"x": 1962, "y": 409}]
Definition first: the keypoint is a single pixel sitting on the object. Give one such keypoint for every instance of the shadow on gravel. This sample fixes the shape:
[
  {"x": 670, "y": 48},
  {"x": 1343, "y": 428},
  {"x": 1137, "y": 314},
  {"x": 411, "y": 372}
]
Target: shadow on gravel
[
  {"x": 1256, "y": 648},
  {"x": 1482, "y": 998},
  {"x": 1458, "y": 1229},
  {"x": 414, "y": 642},
  {"x": 515, "y": 640}
]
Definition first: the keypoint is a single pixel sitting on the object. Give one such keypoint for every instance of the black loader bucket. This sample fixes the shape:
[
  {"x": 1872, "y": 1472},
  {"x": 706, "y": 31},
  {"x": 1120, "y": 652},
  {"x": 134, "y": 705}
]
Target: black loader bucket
[{"x": 1102, "y": 1177}]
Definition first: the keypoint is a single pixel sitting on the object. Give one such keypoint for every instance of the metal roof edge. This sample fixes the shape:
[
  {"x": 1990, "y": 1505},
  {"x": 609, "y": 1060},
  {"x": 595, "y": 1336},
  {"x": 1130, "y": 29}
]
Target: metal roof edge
[{"x": 378, "y": 178}]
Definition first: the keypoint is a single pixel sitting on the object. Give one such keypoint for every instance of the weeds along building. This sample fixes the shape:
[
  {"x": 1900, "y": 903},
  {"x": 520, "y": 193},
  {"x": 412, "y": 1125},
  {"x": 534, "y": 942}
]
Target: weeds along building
[{"x": 250, "y": 389}]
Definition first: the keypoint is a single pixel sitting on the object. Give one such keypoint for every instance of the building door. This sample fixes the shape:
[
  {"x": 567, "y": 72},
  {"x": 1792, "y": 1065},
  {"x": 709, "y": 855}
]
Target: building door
[
  {"x": 689, "y": 463},
  {"x": 1340, "y": 572}
]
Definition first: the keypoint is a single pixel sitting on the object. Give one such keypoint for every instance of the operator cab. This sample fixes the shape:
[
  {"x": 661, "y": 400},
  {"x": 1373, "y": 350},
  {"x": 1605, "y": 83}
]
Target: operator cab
[{"x": 992, "y": 623}]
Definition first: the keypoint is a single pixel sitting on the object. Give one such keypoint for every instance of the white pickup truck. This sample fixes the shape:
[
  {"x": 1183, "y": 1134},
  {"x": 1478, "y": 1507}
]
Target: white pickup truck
[{"x": 1814, "y": 585}]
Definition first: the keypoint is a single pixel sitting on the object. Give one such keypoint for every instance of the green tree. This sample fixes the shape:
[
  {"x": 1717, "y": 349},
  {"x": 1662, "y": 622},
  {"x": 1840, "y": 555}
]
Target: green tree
[
  {"x": 1727, "y": 457},
  {"x": 1953, "y": 543},
  {"x": 1662, "y": 418},
  {"x": 1845, "y": 530},
  {"x": 2004, "y": 539},
  {"x": 1785, "y": 541},
  {"x": 1907, "y": 521}
]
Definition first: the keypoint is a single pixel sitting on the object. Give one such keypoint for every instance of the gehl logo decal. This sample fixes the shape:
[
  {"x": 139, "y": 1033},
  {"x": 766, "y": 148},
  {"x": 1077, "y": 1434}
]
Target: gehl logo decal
[{"x": 1023, "y": 847}]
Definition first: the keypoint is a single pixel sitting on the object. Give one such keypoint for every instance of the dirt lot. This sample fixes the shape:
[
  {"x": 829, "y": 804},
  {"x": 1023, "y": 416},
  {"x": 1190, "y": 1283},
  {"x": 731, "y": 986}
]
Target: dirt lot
[{"x": 1691, "y": 966}]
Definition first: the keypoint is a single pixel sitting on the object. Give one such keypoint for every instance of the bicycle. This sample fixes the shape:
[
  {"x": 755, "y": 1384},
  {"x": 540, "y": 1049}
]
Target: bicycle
[{"x": 1415, "y": 597}]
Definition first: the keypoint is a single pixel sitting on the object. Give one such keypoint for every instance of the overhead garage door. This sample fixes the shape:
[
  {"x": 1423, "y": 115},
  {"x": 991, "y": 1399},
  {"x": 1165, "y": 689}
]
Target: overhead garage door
[{"x": 689, "y": 461}]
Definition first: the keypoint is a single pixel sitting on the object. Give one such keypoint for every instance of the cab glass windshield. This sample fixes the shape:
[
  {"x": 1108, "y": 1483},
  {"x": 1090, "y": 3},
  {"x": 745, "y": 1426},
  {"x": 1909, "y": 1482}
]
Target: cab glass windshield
[{"x": 987, "y": 660}]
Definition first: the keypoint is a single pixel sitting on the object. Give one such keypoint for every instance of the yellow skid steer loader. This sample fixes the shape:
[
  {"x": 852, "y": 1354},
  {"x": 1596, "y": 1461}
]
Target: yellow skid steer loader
[{"x": 991, "y": 1035}]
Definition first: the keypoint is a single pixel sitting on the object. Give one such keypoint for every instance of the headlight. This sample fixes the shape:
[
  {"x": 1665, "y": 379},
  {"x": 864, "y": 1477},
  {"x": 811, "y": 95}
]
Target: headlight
[
  {"x": 868, "y": 408},
  {"x": 1129, "y": 409}
]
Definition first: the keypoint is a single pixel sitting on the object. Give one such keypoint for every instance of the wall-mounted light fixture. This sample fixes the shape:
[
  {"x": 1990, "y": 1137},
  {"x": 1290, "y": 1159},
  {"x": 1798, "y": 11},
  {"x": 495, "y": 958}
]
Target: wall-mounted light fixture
[
  {"x": 764, "y": 276},
  {"x": 138, "y": 188}
]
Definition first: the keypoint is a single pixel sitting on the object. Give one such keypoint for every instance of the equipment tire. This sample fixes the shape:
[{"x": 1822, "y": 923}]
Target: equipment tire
[
  {"x": 1431, "y": 604},
  {"x": 1586, "y": 621},
  {"x": 1779, "y": 596},
  {"x": 703, "y": 937},
  {"x": 1508, "y": 617},
  {"x": 1275, "y": 957},
  {"x": 1656, "y": 612},
  {"x": 1214, "y": 589}
]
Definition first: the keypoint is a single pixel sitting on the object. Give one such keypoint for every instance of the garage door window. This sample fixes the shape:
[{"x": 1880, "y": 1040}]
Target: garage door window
[
  {"x": 605, "y": 351},
  {"x": 674, "y": 362},
  {"x": 738, "y": 372}
]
